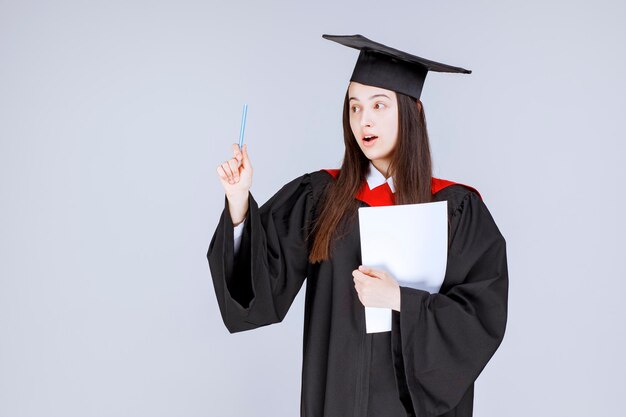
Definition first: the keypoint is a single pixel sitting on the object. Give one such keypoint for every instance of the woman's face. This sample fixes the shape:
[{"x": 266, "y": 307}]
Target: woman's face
[{"x": 374, "y": 111}]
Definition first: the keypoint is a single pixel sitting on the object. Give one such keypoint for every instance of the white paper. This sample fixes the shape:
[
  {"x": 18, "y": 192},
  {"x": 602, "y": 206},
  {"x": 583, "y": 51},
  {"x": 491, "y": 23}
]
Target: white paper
[{"x": 410, "y": 241}]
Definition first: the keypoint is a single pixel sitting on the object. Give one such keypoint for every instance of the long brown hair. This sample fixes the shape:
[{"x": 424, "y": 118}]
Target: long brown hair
[{"x": 410, "y": 165}]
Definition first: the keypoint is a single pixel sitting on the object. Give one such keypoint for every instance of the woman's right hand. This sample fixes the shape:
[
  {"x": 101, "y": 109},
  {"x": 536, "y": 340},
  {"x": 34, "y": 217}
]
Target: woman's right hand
[
  {"x": 236, "y": 173},
  {"x": 236, "y": 178}
]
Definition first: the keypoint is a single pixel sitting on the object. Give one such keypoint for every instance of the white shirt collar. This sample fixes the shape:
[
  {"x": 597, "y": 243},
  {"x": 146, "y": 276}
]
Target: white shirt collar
[{"x": 375, "y": 178}]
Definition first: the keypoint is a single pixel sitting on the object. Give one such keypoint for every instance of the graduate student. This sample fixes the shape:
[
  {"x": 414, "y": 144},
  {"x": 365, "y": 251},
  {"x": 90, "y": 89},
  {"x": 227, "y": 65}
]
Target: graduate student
[{"x": 259, "y": 258}]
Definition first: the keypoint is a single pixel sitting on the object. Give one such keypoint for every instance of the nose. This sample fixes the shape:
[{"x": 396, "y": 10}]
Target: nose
[{"x": 366, "y": 119}]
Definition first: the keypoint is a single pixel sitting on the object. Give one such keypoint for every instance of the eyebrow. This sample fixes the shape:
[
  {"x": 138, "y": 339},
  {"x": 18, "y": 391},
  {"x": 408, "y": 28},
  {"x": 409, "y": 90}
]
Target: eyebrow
[{"x": 374, "y": 96}]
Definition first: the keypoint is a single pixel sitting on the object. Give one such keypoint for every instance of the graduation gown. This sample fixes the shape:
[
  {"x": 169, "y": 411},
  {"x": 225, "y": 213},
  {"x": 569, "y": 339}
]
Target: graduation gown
[{"x": 439, "y": 343}]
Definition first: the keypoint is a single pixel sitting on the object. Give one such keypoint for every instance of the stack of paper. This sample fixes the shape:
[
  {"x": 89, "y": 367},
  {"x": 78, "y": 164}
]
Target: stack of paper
[{"x": 409, "y": 241}]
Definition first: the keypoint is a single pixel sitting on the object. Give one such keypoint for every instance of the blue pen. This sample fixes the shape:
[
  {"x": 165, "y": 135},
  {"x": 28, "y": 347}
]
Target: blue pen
[{"x": 243, "y": 125}]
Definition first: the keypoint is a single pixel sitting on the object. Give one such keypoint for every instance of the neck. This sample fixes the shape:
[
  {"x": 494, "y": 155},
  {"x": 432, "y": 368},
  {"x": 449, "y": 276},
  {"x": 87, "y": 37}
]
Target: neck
[{"x": 382, "y": 166}]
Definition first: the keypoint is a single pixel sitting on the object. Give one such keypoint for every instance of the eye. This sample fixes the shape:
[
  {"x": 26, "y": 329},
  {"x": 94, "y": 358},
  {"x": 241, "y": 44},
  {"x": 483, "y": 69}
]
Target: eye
[
  {"x": 382, "y": 104},
  {"x": 354, "y": 108}
]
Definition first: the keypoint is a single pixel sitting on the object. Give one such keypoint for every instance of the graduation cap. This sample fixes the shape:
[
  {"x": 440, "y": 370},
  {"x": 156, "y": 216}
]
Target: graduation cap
[{"x": 382, "y": 66}]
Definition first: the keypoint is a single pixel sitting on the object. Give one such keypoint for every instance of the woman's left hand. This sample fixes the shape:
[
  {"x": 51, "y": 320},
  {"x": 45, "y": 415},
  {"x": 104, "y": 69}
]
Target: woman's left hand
[{"x": 376, "y": 288}]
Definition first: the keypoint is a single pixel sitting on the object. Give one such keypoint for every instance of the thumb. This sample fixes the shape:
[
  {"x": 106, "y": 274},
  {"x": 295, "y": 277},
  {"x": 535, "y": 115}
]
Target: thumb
[
  {"x": 372, "y": 271},
  {"x": 246, "y": 158}
]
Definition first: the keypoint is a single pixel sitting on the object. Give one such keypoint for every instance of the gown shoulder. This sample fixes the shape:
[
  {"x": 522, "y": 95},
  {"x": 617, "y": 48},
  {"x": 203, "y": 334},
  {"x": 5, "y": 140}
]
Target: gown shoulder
[{"x": 458, "y": 196}]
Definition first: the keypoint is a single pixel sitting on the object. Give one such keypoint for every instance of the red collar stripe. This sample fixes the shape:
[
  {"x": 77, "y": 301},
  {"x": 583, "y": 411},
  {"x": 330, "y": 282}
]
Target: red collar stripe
[{"x": 383, "y": 196}]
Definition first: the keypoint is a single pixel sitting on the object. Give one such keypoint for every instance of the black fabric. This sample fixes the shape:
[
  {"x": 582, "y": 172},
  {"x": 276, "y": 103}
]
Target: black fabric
[
  {"x": 386, "y": 67},
  {"x": 439, "y": 343}
]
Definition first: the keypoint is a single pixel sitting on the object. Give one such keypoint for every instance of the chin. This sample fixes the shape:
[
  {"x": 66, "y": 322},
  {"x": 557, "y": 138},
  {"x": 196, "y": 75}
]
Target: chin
[{"x": 372, "y": 156}]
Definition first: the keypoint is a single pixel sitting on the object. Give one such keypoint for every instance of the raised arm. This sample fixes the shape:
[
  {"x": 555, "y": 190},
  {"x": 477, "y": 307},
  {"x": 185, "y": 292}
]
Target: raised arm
[{"x": 256, "y": 286}]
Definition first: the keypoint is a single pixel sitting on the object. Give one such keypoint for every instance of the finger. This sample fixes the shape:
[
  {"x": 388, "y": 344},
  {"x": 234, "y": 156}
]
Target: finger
[
  {"x": 360, "y": 289},
  {"x": 358, "y": 275},
  {"x": 228, "y": 171},
  {"x": 362, "y": 276},
  {"x": 237, "y": 152},
  {"x": 234, "y": 166},
  {"x": 221, "y": 173},
  {"x": 363, "y": 281}
]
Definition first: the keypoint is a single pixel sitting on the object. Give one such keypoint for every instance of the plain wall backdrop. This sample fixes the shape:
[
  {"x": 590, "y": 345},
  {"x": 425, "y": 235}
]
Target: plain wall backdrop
[{"x": 115, "y": 115}]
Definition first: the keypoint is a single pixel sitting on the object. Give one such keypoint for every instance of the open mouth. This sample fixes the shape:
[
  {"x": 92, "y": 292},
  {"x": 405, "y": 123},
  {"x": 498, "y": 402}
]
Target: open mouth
[{"x": 370, "y": 138}]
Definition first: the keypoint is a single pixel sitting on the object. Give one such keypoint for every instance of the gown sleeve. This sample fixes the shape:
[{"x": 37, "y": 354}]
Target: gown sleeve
[
  {"x": 256, "y": 285},
  {"x": 442, "y": 341}
]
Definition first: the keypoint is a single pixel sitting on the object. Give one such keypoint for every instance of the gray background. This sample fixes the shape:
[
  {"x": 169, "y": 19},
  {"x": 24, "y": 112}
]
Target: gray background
[{"x": 114, "y": 117}]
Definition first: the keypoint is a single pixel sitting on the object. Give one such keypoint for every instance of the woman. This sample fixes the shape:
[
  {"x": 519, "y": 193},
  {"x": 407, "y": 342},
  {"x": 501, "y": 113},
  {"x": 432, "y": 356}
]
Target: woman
[{"x": 259, "y": 257}]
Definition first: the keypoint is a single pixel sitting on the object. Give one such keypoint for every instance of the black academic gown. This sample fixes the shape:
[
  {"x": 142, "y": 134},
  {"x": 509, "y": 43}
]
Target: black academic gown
[{"x": 439, "y": 343}]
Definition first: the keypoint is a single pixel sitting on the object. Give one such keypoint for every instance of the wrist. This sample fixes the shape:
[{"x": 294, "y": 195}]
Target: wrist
[
  {"x": 237, "y": 207},
  {"x": 237, "y": 196}
]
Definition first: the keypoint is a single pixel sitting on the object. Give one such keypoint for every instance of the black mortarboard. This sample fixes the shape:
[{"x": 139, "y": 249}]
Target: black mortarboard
[{"x": 385, "y": 67}]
